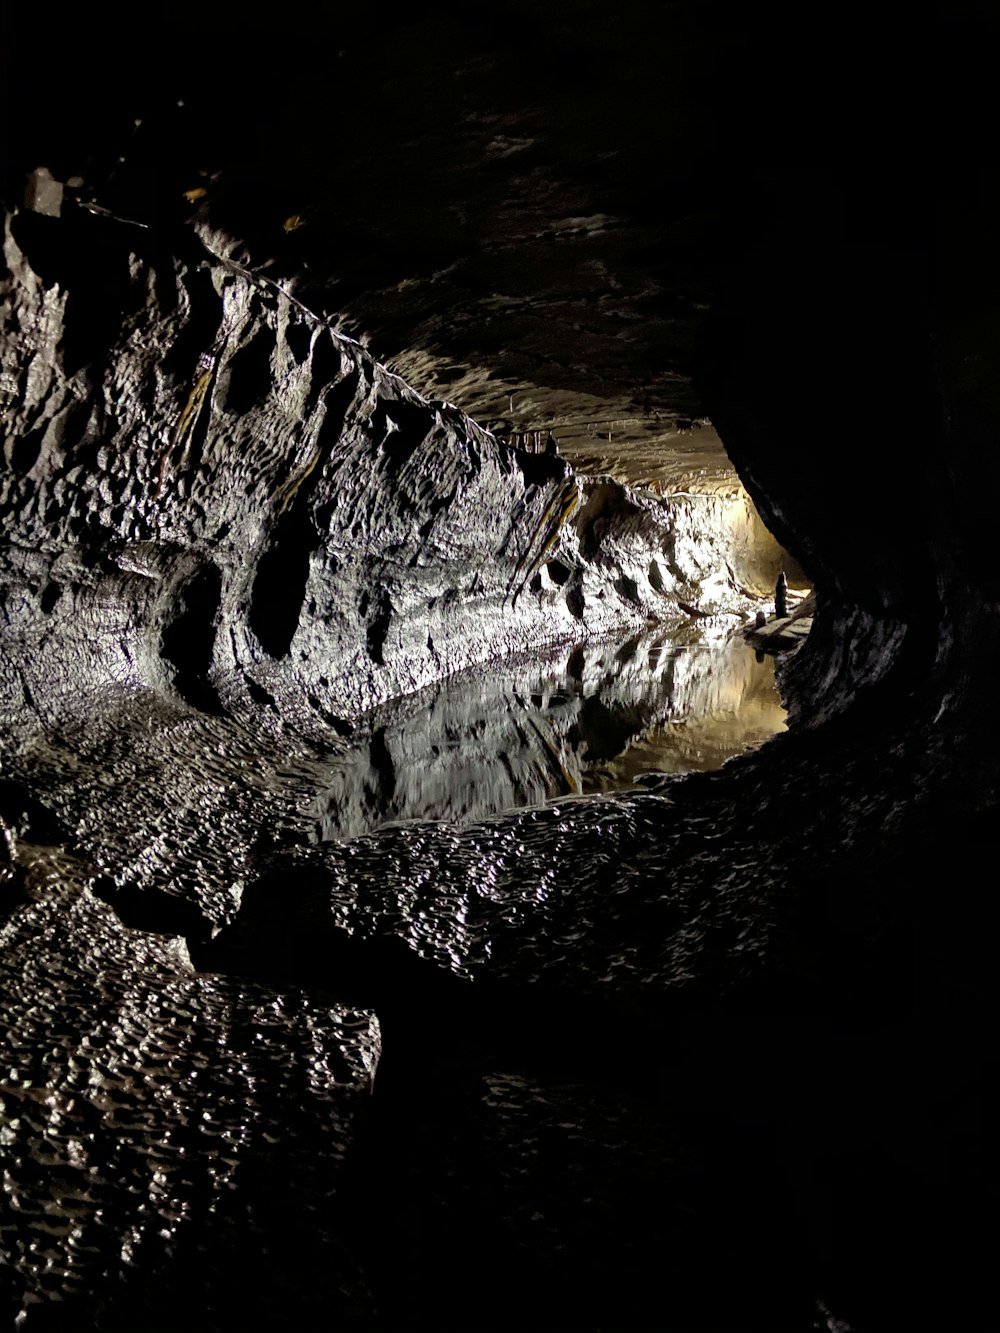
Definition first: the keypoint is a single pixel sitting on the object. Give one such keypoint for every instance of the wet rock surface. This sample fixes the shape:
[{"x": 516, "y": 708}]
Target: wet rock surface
[
  {"x": 526, "y": 732},
  {"x": 785, "y": 629},
  {"x": 249, "y": 529},
  {"x": 147, "y": 1109}
]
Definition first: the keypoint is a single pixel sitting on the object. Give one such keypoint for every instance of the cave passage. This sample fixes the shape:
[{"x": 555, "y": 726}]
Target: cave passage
[{"x": 348, "y": 982}]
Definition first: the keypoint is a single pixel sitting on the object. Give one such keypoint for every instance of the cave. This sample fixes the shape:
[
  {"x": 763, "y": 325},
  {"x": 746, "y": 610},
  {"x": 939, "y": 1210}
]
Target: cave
[{"x": 406, "y": 417}]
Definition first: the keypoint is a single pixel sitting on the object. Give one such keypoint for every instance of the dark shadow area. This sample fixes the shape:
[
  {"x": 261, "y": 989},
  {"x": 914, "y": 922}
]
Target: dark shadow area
[{"x": 188, "y": 638}]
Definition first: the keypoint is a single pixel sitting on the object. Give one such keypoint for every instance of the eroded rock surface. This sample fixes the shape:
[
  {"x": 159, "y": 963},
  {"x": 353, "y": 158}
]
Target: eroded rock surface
[{"x": 253, "y": 487}]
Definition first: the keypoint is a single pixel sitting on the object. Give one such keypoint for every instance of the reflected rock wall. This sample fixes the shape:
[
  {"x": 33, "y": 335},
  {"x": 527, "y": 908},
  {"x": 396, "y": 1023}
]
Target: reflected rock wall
[{"x": 521, "y": 734}]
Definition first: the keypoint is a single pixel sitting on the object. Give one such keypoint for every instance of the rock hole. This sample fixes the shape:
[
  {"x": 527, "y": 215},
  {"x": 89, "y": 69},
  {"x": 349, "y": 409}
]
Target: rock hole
[
  {"x": 328, "y": 380},
  {"x": 247, "y": 378},
  {"x": 378, "y": 628},
  {"x": 25, "y": 452},
  {"x": 592, "y": 526},
  {"x": 199, "y": 331},
  {"x": 279, "y": 588},
  {"x": 627, "y": 588},
  {"x": 627, "y": 652},
  {"x": 558, "y": 572},
  {"x": 260, "y": 696},
  {"x": 381, "y": 763},
  {"x": 298, "y": 337},
  {"x": 403, "y": 427},
  {"x": 655, "y": 577},
  {"x": 189, "y": 639}
]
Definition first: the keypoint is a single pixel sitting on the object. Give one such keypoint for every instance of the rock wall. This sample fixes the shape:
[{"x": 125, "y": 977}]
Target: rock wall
[
  {"x": 855, "y": 393},
  {"x": 230, "y": 530}
]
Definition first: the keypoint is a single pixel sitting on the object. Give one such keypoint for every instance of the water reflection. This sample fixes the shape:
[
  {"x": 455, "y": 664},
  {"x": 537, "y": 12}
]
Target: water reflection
[{"x": 518, "y": 734}]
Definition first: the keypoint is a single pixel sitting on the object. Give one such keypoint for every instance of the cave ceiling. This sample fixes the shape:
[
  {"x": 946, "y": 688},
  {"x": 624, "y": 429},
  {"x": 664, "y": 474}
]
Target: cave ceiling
[
  {"x": 528, "y": 209},
  {"x": 517, "y": 209}
]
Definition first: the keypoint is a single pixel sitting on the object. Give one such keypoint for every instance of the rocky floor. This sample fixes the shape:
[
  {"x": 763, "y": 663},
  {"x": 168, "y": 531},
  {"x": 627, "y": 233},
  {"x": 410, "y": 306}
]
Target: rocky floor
[
  {"x": 615, "y": 1054},
  {"x": 776, "y": 633}
]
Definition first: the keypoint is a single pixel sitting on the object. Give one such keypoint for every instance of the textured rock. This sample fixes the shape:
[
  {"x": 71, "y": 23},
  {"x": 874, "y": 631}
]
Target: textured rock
[
  {"x": 245, "y": 486},
  {"x": 137, "y": 1098}
]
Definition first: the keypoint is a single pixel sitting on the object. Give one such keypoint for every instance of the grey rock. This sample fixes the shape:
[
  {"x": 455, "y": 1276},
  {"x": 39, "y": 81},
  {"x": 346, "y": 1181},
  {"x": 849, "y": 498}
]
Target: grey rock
[{"x": 43, "y": 194}]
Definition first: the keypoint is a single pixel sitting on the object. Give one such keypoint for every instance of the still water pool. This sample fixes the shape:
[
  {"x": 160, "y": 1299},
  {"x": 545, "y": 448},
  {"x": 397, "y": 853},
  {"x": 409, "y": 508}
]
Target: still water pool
[{"x": 589, "y": 719}]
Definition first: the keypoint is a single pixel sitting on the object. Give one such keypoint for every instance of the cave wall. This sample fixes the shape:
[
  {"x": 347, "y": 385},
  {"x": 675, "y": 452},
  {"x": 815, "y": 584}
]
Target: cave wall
[
  {"x": 230, "y": 531},
  {"x": 234, "y": 500}
]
